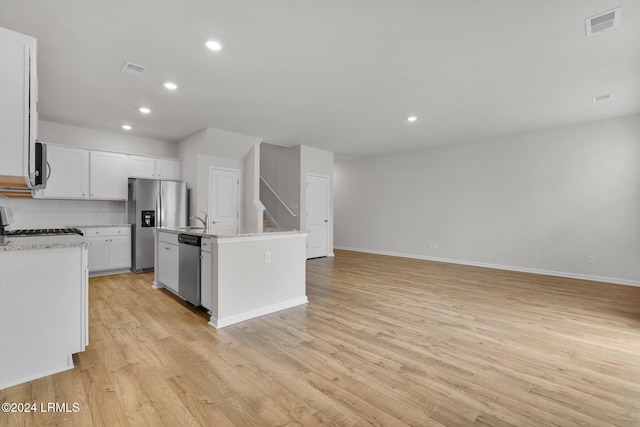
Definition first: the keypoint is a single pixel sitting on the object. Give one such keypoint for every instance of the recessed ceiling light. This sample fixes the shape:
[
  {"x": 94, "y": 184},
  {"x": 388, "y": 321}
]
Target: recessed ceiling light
[
  {"x": 214, "y": 45},
  {"x": 144, "y": 110},
  {"x": 126, "y": 127},
  {"x": 412, "y": 119},
  {"x": 171, "y": 86}
]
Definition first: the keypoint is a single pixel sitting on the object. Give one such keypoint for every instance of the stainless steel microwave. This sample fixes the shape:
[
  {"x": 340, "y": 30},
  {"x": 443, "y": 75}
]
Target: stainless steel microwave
[{"x": 40, "y": 170}]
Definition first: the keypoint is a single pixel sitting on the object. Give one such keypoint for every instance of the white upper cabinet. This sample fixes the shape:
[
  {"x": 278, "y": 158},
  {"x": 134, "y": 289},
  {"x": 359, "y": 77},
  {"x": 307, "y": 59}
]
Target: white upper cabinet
[
  {"x": 78, "y": 173},
  {"x": 142, "y": 167},
  {"x": 168, "y": 169},
  {"x": 108, "y": 179},
  {"x": 68, "y": 170},
  {"x": 154, "y": 168},
  {"x": 18, "y": 98}
]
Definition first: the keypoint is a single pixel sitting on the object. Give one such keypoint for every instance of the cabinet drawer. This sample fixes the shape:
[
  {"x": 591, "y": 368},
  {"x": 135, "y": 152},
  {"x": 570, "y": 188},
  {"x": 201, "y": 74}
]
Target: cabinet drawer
[
  {"x": 107, "y": 231},
  {"x": 168, "y": 238}
]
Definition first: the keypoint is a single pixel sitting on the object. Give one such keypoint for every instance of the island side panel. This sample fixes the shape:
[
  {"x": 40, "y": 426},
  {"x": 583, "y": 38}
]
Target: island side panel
[
  {"x": 257, "y": 277},
  {"x": 42, "y": 307}
]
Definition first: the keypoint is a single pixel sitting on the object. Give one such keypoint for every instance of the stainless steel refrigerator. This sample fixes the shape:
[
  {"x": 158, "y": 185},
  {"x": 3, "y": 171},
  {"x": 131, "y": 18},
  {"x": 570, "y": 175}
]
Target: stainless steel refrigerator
[{"x": 153, "y": 203}]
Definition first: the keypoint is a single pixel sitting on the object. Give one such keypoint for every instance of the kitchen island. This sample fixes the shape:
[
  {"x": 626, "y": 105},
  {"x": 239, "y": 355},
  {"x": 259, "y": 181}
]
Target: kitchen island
[
  {"x": 243, "y": 275},
  {"x": 43, "y": 306}
]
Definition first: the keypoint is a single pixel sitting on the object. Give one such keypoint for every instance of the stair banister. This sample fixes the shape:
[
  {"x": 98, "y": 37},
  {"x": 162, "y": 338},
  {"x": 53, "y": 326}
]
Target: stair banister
[{"x": 278, "y": 197}]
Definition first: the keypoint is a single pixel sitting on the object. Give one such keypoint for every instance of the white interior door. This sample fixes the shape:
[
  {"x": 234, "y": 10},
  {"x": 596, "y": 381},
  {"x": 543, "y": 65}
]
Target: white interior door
[
  {"x": 317, "y": 215},
  {"x": 224, "y": 197}
]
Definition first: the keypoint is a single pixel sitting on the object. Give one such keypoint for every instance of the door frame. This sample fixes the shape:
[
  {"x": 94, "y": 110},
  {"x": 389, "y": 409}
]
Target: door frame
[
  {"x": 239, "y": 201},
  {"x": 306, "y": 199}
]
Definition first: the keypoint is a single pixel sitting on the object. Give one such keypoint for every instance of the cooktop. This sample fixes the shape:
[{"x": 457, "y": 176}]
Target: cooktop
[{"x": 43, "y": 232}]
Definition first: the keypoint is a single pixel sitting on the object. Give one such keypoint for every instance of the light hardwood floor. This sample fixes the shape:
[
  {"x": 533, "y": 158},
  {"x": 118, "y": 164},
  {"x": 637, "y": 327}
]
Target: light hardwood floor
[{"x": 383, "y": 341}]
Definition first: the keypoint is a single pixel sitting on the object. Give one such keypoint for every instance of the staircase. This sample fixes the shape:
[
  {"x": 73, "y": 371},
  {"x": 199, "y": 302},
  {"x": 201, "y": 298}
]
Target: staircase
[
  {"x": 266, "y": 222},
  {"x": 273, "y": 204}
]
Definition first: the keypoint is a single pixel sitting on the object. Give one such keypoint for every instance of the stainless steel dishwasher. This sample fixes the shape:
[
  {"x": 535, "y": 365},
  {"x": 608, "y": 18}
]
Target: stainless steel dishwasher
[{"x": 189, "y": 268}]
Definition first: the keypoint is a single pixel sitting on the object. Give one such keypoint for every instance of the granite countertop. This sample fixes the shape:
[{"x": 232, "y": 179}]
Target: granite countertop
[
  {"x": 100, "y": 225},
  {"x": 29, "y": 227},
  {"x": 212, "y": 232},
  {"x": 49, "y": 242},
  {"x": 43, "y": 242}
]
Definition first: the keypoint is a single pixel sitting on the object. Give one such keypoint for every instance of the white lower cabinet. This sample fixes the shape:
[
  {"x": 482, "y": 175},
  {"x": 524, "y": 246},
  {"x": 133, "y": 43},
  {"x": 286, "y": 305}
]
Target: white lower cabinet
[
  {"x": 39, "y": 341},
  {"x": 167, "y": 270},
  {"x": 206, "y": 273},
  {"x": 110, "y": 249}
]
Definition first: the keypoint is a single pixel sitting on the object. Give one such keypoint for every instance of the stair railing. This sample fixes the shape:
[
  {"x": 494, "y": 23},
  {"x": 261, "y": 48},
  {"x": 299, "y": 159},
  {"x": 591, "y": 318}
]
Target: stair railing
[{"x": 278, "y": 197}]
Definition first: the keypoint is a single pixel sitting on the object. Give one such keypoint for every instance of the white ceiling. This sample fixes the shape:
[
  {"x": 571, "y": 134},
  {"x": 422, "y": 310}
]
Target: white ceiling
[{"x": 342, "y": 75}]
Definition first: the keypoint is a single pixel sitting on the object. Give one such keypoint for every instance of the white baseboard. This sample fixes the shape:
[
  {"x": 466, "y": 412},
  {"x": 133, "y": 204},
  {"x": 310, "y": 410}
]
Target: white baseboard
[
  {"x": 614, "y": 280},
  {"x": 109, "y": 272},
  {"x": 236, "y": 318},
  {"x": 64, "y": 364}
]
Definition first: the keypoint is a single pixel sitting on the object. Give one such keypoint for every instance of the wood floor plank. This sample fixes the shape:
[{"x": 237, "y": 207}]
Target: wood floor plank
[{"x": 384, "y": 341}]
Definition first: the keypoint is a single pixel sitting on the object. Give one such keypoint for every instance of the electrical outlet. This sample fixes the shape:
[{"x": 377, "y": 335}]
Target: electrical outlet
[
  {"x": 267, "y": 257},
  {"x": 433, "y": 245},
  {"x": 591, "y": 259}
]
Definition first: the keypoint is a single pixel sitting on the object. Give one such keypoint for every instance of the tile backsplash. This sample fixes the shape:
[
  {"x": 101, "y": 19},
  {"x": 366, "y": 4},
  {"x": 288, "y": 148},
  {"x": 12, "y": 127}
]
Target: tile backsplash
[{"x": 48, "y": 213}]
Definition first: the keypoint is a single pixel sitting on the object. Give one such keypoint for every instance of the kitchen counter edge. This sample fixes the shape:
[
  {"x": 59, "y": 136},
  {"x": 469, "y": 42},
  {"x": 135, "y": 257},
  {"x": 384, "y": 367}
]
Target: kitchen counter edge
[
  {"x": 227, "y": 235},
  {"x": 43, "y": 242}
]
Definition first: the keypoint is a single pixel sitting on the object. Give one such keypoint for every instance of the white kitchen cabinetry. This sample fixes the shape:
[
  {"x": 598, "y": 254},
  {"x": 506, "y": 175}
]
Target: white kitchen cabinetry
[
  {"x": 68, "y": 171},
  {"x": 108, "y": 179},
  {"x": 110, "y": 249},
  {"x": 18, "y": 99},
  {"x": 207, "y": 287},
  {"x": 142, "y": 167},
  {"x": 167, "y": 267},
  {"x": 168, "y": 169},
  {"x": 154, "y": 168},
  {"x": 44, "y": 311}
]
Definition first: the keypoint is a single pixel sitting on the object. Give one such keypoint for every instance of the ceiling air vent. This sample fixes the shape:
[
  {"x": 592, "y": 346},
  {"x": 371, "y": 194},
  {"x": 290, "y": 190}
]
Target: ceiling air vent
[
  {"x": 602, "y": 98},
  {"x": 604, "y": 22},
  {"x": 132, "y": 69}
]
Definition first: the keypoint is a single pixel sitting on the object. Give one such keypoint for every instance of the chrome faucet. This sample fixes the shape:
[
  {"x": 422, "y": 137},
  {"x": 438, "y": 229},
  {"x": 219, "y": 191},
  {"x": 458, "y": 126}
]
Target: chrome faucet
[{"x": 205, "y": 221}]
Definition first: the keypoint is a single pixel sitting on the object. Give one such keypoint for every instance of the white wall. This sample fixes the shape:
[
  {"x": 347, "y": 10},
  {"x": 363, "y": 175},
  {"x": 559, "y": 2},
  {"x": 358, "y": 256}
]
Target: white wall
[
  {"x": 280, "y": 167},
  {"x": 252, "y": 218},
  {"x": 51, "y": 213},
  {"x": 542, "y": 201},
  {"x": 59, "y": 133},
  {"x": 211, "y": 147},
  {"x": 188, "y": 152}
]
